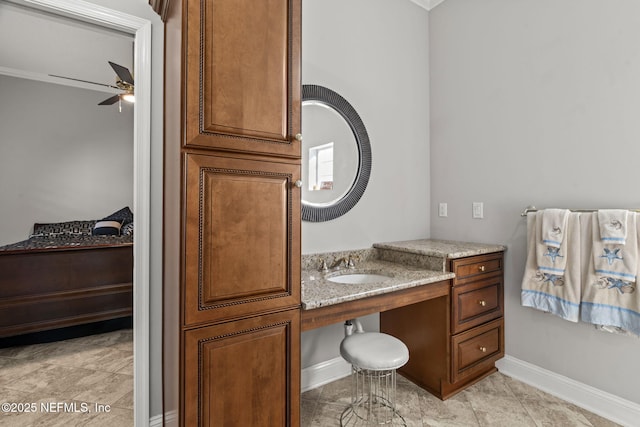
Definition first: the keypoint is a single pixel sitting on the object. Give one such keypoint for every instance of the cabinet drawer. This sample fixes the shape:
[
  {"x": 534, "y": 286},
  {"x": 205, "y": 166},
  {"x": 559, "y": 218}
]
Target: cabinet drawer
[
  {"x": 473, "y": 268},
  {"x": 475, "y": 303},
  {"x": 477, "y": 349}
]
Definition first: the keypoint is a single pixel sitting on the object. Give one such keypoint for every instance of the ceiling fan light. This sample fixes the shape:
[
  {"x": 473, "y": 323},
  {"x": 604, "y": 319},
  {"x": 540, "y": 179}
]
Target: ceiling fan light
[{"x": 129, "y": 97}]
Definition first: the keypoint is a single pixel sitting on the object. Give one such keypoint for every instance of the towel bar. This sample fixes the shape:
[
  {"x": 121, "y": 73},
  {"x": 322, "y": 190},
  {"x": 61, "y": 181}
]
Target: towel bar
[{"x": 532, "y": 208}]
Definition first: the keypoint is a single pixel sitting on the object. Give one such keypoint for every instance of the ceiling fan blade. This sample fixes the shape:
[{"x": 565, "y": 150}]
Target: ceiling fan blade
[
  {"x": 122, "y": 72},
  {"x": 83, "y": 81},
  {"x": 110, "y": 101}
]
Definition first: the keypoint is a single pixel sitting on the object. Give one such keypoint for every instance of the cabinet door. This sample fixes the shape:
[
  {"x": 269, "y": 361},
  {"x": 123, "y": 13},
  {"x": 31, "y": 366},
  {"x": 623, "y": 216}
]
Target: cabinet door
[
  {"x": 243, "y": 75},
  {"x": 244, "y": 373},
  {"x": 242, "y": 237}
]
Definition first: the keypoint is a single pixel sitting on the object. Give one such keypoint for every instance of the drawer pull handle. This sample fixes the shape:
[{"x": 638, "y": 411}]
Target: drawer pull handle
[
  {"x": 481, "y": 267},
  {"x": 482, "y": 302},
  {"x": 483, "y": 349}
]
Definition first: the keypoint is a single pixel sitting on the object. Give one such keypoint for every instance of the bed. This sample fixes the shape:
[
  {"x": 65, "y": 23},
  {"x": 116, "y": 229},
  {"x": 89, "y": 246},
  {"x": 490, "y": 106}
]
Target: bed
[{"x": 64, "y": 275}]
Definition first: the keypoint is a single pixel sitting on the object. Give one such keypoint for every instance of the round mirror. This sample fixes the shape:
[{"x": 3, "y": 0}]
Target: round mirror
[{"x": 336, "y": 155}]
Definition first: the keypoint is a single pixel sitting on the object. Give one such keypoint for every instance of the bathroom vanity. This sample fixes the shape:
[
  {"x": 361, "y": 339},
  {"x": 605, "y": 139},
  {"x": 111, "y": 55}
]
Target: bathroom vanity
[{"x": 443, "y": 299}]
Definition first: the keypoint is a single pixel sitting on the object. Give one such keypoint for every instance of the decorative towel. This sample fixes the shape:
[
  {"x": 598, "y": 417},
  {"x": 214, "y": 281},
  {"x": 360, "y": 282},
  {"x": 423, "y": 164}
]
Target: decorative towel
[
  {"x": 618, "y": 261},
  {"x": 554, "y": 225},
  {"x": 551, "y": 259},
  {"x": 613, "y": 225},
  {"x": 546, "y": 291},
  {"x": 609, "y": 301}
]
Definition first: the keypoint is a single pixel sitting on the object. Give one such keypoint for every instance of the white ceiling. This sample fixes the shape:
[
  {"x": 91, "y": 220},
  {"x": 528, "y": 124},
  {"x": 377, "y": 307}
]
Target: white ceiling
[{"x": 34, "y": 44}]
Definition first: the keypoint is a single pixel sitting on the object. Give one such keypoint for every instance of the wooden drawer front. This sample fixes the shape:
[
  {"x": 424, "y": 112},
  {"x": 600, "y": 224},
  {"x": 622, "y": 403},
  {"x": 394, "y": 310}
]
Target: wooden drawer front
[
  {"x": 244, "y": 373},
  {"x": 242, "y": 231},
  {"x": 473, "y": 268},
  {"x": 476, "y": 303},
  {"x": 477, "y": 349}
]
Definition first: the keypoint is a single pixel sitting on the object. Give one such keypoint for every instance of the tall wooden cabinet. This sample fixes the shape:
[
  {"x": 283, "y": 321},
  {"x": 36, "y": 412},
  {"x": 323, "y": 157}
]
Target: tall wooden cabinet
[{"x": 232, "y": 111}]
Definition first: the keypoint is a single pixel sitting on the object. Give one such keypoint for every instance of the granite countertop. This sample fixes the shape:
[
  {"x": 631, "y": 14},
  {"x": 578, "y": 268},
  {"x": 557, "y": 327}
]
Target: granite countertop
[
  {"x": 410, "y": 263},
  {"x": 319, "y": 292},
  {"x": 441, "y": 248}
]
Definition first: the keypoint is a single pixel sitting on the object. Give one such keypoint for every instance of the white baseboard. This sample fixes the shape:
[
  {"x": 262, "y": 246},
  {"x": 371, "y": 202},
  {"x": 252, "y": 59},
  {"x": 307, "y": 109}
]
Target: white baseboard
[
  {"x": 325, "y": 372},
  {"x": 599, "y": 402}
]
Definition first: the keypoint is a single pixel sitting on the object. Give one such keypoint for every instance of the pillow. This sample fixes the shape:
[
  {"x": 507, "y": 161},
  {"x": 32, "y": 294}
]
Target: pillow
[
  {"x": 107, "y": 228},
  {"x": 72, "y": 228},
  {"x": 123, "y": 216},
  {"x": 127, "y": 229}
]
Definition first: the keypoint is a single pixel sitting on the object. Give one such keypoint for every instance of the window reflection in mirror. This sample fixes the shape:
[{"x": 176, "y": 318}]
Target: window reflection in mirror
[
  {"x": 321, "y": 167},
  {"x": 330, "y": 154}
]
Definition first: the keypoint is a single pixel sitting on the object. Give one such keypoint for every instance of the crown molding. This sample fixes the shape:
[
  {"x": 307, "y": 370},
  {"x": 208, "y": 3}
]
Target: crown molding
[
  {"x": 427, "y": 4},
  {"x": 160, "y": 7}
]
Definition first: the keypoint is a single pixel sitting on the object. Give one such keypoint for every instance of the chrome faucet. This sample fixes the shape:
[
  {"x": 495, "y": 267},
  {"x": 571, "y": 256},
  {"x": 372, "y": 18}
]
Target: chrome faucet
[{"x": 340, "y": 262}]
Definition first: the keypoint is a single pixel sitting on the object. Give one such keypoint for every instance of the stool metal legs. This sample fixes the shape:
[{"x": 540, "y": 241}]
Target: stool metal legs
[{"x": 373, "y": 399}]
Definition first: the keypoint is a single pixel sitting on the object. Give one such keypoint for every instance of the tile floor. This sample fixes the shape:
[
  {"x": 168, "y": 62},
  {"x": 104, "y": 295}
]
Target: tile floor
[
  {"x": 86, "y": 371},
  {"x": 98, "y": 369},
  {"x": 496, "y": 401}
]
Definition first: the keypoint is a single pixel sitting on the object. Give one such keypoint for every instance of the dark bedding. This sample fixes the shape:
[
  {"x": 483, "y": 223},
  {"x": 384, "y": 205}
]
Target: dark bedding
[
  {"x": 78, "y": 234},
  {"x": 67, "y": 241}
]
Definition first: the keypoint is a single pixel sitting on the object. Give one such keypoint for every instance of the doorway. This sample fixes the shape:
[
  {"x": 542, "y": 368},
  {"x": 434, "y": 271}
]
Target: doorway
[{"x": 140, "y": 29}]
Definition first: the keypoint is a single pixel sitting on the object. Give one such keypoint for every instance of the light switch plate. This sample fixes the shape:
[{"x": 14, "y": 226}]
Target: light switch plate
[
  {"x": 442, "y": 210},
  {"x": 478, "y": 210}
]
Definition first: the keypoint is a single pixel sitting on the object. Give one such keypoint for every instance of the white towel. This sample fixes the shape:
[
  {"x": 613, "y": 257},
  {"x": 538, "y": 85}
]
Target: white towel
[
  {"x": 550, "y": 259},
  {"x": 546, "y": 291},
  {"x": 554, "y": 225},
  {"x": 613, "y": 225},
  {"x": 618, "y": 261},
  {"x": 608, "y": 301}
]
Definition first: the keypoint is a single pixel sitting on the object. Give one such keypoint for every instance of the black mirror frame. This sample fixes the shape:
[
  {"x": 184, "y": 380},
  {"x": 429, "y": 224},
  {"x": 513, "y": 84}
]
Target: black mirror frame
[{"x": 349, "y": 200}]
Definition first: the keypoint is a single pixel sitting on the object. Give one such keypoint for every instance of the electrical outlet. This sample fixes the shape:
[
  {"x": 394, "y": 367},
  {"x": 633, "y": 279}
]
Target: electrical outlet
[
  {"x": 442, "y": 210},
  {"x": 478, "y": 210}
]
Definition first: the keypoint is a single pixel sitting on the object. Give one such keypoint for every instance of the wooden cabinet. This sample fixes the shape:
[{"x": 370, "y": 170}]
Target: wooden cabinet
[
  {"x": 243, "y": 75},
  {"x": 243, "y": 373},
  {"x": 232, "y": 158},
  {"x": 242, "y": 237},
  {"x": 446, "y": 358}
]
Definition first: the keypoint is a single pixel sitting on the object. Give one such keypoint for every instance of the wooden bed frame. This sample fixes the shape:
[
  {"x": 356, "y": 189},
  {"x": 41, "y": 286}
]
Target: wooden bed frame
[{"x": 42, "y": 289}]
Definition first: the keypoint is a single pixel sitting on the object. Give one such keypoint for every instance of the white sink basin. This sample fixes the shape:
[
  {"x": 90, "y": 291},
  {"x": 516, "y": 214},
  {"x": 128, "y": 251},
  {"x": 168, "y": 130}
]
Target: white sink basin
[{"x": 358, "y": 278}]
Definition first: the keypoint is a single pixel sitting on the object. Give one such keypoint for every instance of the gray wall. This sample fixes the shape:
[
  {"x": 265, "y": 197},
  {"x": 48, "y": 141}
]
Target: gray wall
[
  {"x": 536, "y": 102},
  {"x": 375, "y": 54},
  {"x": 142, "y": 9},
  {"x": 51, "y": 44},
  {"x": 62, "y": 157}
]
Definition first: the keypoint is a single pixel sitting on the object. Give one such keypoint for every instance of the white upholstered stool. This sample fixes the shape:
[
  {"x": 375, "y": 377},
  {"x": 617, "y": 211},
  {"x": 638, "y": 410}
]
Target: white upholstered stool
[{"x": 374, "y": 358}]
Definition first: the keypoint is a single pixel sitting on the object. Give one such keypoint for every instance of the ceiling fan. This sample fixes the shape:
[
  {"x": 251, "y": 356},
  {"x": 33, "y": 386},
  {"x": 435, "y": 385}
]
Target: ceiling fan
[{"x": 124, "y": 82}]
